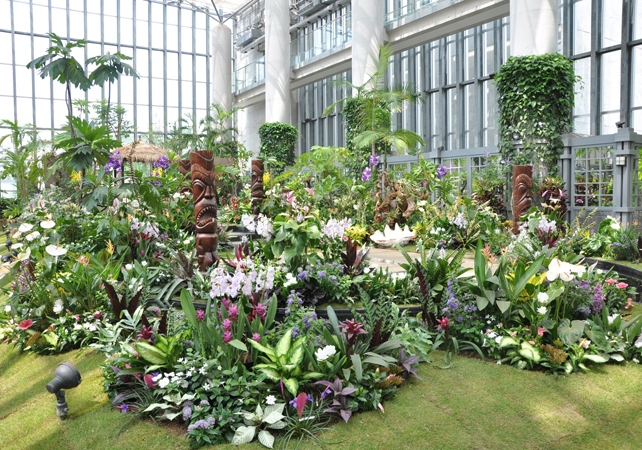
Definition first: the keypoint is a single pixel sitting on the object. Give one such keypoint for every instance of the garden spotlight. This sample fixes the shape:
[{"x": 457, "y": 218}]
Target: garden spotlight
[{"x": 66, "y": 376}]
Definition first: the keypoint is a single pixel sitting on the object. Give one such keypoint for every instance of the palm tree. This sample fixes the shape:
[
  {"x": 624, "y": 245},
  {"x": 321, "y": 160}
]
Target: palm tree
[
  {"x": 374, "y": 95},
  {"x": 109, "y": 69},
  {"x": 61, "y": 66}
]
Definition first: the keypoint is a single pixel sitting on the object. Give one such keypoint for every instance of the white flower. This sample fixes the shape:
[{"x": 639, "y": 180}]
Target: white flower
[
  {"x": 326, "y": 352},
  {"x": 135, "y": 204},
  {"x": 32, "y": 236},
  {"x": 58, "y": 306},
  {"x": 128, "y": 267},
  {"x": 54, "y": 250},
  {"x": 498, "y": 339},
  {"x": 176, "y": 195},
  {"x": 635, "y": 360},
  {"x": 163, "y": 383},
  {"x": 563, "y": 270},
  {"x": 46, "y": 224},
  {"x": 7, "y": 308},
  {"x": 16, "y": 246},
  {"x": 499, "y": 362},
  {"x": 270, "y": 400},
  {"x": 25, "y": 227},
  {"x": 542, "y": 297},
  {"x": 144, "y": 263},
  {"x": 541, "y": 310},
  {"x": 289, "y": 280},
  {"x": 612, "y": 318}
]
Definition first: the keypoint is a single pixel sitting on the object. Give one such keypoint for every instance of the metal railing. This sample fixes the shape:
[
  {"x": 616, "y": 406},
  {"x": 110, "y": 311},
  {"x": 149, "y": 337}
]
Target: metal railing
[
  {"x": 599, "y": 172},
  {"x": 324, "y": 39},
  {"x": 410, "y": 8},
  {"x": 250, "y": 75}
]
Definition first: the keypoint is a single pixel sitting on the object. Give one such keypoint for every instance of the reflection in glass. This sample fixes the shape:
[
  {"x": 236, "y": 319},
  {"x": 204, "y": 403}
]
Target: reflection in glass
[
  {"x": 582, "y": 109},
  {"x": 581, "y": 26},
  {"x": 611, "y": 22}
]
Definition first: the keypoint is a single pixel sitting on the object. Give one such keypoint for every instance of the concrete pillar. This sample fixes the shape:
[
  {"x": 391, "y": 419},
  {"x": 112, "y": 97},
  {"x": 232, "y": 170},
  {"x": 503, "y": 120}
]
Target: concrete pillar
[
  {"x": 533, "y": 27},
  {"x": 367, "y": 36},
  {"x": 277, "y": 61},
  {"x": 222, "y": 65}
]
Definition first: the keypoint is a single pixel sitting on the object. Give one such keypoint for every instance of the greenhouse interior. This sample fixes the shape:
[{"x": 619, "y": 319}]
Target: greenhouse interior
[{"x": 348, "y": 224}]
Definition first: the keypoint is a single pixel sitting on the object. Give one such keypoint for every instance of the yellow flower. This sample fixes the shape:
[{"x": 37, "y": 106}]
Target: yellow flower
[
  {"x": 76, "y": 176},
  {"x": 266, "y": 178},
  {"x": 157, "y": 172},
  {"x": 110, "y": 247}
]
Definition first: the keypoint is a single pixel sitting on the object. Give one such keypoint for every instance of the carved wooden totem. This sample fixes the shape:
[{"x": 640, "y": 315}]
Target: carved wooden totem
[
  {"x": 205, "y": 207},
  {"x": 184, "y": 168},
  {"x": 522, "y": 185},
  {"x": 257, "y": 185}
]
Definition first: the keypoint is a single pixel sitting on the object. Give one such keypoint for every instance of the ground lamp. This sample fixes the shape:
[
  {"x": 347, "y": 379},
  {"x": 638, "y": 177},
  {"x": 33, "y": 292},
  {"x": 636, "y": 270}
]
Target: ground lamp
[{"x": 66, "y": 376}]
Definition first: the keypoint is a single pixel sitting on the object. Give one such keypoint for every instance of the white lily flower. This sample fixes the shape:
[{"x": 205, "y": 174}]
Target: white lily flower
[
  {"x": 54, "y": 250},
  {"x": 32, "y": 236},
  {"x": 25, "y": 227},
  {"x": 563, "y": 270},
  {"x": 47, "y": 224}
]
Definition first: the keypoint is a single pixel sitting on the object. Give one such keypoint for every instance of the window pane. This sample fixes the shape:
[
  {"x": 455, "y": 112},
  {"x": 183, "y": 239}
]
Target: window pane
[
  {"x": 582, "y": 109},
  {"x": 172, "y": 37},
  {"x": 21, "y": 21},
  {"x": 125, "y": 31},
  {"x": 610, "y": 85},
  {"x": 186, "y": 39},
  {"x": 637, "y": 20},
  {"x": 142, "y": 31},
  {"x": 636, "y": 76},
  {"x": 40, "y": 19},
  {"x": 77, "y": 25},
  {"x": 158, "y": 92},
  {"x": 93, "y": 27},
  {"x": 6, "y": 79},
  {"x": 5, "y": 15},
  {"x": 469, "y": 55},
  {"x": 58, "y": 21},
  {"x": 142, "y": 90},
  {"x": 582, "y": 26},
  {"x": 611, "y": 22},
  {"x": 43, "y": 113}
]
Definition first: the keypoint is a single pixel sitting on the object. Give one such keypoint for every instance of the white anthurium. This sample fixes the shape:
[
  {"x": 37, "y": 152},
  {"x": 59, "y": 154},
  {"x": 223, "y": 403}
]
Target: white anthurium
[
  {"x": 563, "y": 270},
  {"x": 16, "y": 246},
  {"x": 47, "y": 224},
  {"x": 326, "y": 352},
  {"x": 55, "y": 250},
  {"x": 32, "y": 236},
  {"x": 23, "y": 228},
  {"x": 541, "y": 310},
  {"x": 543, "y": 298}
]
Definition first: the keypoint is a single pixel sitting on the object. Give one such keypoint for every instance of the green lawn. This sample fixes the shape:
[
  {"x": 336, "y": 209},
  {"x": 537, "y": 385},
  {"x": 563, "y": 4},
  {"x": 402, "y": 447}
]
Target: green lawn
[{"x": 474, "y": 405}]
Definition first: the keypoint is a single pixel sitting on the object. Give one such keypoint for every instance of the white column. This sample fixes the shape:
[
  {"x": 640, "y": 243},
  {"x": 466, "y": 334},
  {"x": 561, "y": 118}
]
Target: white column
[
  {"x": 277, "y": 61},
  {"x": 222, "y": 65},
  {"x": 367, "y": 37},
  {"x": 533, "y": 27}
]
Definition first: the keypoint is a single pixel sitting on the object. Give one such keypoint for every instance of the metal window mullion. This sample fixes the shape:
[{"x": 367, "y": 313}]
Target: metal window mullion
[
  {"x": 625, "y": 63},
  {"x": 461, "y": 126},
  {"x": 208, "y": 69},
  {"x": 595, "y": 70},
  {"x": 442, "y": 126},
  {"x": 135, "y": 66},
  {"x": 480, "y": 53},
  {"x": 33, "y": 72},
  {"x": 149, "y": 70},
  {"x": 194, "y": 84},
  {"x": 180, "y": 64},
  {"x": 165, "y": 68},
  {"x": 102, "y": 37}
]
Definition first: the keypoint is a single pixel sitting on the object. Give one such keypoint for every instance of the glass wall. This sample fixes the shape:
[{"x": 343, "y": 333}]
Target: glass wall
[
  {"x": 604, "y": 39},
  {"x": 169, "y": 45}
]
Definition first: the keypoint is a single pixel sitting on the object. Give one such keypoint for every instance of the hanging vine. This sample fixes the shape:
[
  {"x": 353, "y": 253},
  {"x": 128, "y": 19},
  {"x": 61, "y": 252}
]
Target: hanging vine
[{"x": 535, "y": 98}]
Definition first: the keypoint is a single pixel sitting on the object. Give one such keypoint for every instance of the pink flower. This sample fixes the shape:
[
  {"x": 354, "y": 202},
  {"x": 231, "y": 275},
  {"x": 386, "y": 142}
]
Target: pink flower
[
  {"x": 611, "y": 281},
  {"x": 629, "y": 303},
  {"x": 200, "y": 315},
  {"x": 621, "y": 285},
  {"x": 256, "y": 337},
  {"x": 98, "y": 315},
  {"x": 226, "y": 302},
  {"x": 259, "y": 310},
  {"x": 227, "y": 324},
  {"x": 541, "y": 331},
  {"x": 149, "y": 381},
  {"x": 227, "y": 336},
  {"x": 531, "y": 342},
  {"x": 233, "y": 310},
  {"x": 310, "y": 191},
  {"x": 443, "y": 323},
  {"x": 25, "y": 324}
]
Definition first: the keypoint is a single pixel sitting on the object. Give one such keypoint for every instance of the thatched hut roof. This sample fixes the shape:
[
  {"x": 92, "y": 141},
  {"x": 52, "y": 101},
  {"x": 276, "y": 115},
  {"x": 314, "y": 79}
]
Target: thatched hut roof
[{"x": 139, "y": 151}]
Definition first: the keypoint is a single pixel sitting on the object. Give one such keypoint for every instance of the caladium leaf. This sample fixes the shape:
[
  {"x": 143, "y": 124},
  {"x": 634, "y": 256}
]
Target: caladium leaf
[
  {"x": 266, "y": 439},
  {"x": 243, "y": 435}
]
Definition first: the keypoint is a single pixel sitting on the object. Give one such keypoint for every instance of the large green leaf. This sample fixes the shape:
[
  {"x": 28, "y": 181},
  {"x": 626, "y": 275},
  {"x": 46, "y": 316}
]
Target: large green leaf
[
  {"x": 243, "y": 435},
  {"x": 150, "y": 353},
  {"x": 283, "y": 346},
  {"x": 266, "y": 439},
  {"x": 292, "y": 385},
  {"x": 263, "y": 349},
  {"x": 570, "y": 332}
]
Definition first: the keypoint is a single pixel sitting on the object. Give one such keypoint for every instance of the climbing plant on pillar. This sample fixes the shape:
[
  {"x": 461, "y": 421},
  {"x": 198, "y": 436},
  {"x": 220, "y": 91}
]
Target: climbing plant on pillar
[
  {"x": 277, "y": 144},
  {"x": 535, "y": 98}
]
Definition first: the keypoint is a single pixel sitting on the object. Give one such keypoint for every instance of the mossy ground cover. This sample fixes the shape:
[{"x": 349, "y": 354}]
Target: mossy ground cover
[{"x": 473, "y": 405}]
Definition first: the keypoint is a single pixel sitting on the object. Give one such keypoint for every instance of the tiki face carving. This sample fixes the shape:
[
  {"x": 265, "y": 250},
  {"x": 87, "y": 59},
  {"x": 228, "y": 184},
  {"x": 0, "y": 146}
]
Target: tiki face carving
[
  {"x": 522, "y": 184},
  {"x": 205, "y": 207},
  {"x": 257, "y": 185}
]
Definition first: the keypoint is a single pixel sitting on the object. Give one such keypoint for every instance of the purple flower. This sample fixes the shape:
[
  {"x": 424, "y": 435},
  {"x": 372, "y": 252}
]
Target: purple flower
[
  {"x": 187, "y": 412},
  {"x": 295, "y": 331},
  {"x": 303, "y": 275},
  {"x": 115, "y": 163},
  {"x": 374, "y": 160},
  {"x": 366, "y": 174},
  {"x": 200, "y": 315},
  {"x": 227, "y": 324},
  {"x": 598, "y": 298},
  {"x": 163, "y": 163},
  {"x": 441, "y": 172},
  {"x": 325, "y": 393},
  {"x": 321, "y": 274},
  {"x": 233, "y": 310},
  {"x": 256, "y": 337},
  {"x": 584, "y": 310}
]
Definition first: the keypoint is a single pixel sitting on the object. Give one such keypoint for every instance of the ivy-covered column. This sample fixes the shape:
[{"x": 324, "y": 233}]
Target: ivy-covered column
[{"x": 533, "y": 27}]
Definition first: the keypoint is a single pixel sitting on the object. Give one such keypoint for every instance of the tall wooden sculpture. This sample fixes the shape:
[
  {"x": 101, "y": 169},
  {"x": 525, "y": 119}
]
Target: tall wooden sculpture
[
  {"x": 184, "y": 168},
  {"x": 205, "y": 207},
  {"x": 522, "y": 185},
  {"x": 257, "y": 185}
]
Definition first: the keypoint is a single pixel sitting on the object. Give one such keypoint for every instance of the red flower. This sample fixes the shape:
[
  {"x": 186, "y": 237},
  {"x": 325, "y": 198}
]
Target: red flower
[
  {"x": 25, "y": 324},
  {"x": 443, "y": 323}
]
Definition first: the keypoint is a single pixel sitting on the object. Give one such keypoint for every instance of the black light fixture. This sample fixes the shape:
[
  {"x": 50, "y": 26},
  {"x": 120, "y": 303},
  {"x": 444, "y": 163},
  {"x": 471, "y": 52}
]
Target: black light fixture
[
  {"x": 516, "y": 136},
  {"x": 66, "y": 376},
  {"x": 620, "y": 124}
]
